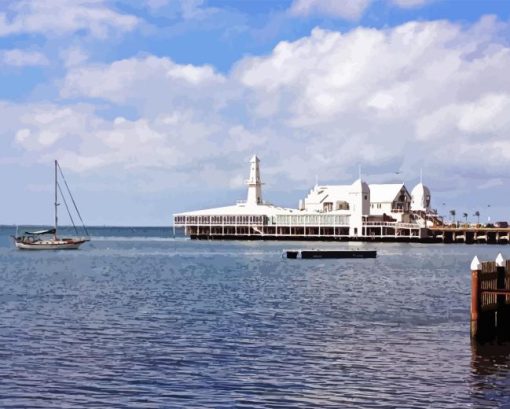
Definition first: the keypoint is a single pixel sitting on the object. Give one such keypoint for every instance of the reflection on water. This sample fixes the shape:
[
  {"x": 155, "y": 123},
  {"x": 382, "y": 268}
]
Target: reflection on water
[
  {"x": 490, "y": 379},
  {"x": 130, "y": 321}
]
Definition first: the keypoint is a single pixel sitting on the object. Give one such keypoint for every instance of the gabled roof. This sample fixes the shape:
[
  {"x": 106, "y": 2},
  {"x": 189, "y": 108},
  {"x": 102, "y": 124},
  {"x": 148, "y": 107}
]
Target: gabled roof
[
  {"x": 320, "y": 194},
  {"x": 384, "y": 193}
]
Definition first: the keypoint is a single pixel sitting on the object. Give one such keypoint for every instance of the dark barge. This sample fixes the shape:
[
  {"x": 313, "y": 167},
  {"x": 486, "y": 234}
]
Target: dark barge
[{"x": 318, "y": 253}]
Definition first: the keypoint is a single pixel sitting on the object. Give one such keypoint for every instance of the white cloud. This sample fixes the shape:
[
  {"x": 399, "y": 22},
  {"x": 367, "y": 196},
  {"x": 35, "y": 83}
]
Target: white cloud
[
  {"x": 345, "y": 9},
  {"x": 156, "y": 4},
  {"x": 424, "y": 94},
  {"x": 23, "y": 58},
  {"x": 490, "y": 114},
  {"x": 377, "y": 96},
  {"x": 186, "y": 9},
  {"x": 83, "y": 140},
  {"x": 151, "y": 83},
  {"x": 42, "y": 126},
  {"x": 410, "y": 3},
  {"x": 60, "y": 17},
  {"x": 73, "y": 56}
]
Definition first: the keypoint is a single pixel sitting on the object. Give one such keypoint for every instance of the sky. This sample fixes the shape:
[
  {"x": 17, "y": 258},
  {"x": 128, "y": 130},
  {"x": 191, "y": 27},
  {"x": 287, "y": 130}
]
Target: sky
[{"x": 153, "y": 107}]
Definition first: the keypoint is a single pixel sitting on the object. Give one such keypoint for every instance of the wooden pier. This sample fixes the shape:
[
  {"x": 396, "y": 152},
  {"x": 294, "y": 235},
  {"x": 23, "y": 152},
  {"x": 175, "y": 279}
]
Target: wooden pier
[
  {"x": 313, "y": 227},
  {"x": 332, "y": 227},
  {"x": 490, "y": 299},
  {"x": 470, "y": 234}
]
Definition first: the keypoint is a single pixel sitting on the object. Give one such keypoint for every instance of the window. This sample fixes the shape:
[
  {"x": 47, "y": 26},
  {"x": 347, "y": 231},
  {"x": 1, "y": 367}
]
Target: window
[
  {"x": 327, "y": 207},
  {"x": 342, "y": 205}
]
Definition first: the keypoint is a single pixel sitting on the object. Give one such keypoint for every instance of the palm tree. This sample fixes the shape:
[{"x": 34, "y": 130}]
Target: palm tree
[
  {"x": 465, "y": 215},
  {"x": 453, "y": 213},
  {"x": 477, "y": 214}
]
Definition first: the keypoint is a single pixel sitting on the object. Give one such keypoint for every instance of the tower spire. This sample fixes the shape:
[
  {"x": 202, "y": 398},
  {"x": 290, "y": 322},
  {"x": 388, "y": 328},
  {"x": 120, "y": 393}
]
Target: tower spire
[{"x": 254, "y": 184}]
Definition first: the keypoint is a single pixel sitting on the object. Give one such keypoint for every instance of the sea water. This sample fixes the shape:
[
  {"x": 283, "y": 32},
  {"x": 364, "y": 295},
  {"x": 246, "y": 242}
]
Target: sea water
[{"x": 137, "y": 318}]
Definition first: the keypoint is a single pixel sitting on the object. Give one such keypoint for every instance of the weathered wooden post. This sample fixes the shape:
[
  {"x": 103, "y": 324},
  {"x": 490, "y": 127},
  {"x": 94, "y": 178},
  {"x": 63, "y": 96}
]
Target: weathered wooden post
[
  {"x": 476, "y": 268},
  {"x": 502, "y": 314},
  {"x": 500, "y": 270}
]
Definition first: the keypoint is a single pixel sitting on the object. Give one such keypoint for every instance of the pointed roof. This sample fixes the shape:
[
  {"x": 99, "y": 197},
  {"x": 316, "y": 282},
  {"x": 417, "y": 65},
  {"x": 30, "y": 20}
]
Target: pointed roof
[
  {"x": 420, "y": 189},
  {"x": 359, "y": 184},
  {"x": 384, "y": 193}
]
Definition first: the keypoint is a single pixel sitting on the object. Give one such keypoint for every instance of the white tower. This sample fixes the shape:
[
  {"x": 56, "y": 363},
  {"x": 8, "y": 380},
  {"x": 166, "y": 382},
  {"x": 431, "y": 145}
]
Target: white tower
[
  {"x": 254, "y": 183},
  {"x": 359, "y": 203}
]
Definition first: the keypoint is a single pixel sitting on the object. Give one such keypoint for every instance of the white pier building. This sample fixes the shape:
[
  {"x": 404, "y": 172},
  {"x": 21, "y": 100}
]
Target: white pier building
[{"x": 331, "y": 212}]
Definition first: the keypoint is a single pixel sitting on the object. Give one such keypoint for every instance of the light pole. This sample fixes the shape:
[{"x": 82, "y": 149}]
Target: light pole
[{"x": 453, "y": 213}]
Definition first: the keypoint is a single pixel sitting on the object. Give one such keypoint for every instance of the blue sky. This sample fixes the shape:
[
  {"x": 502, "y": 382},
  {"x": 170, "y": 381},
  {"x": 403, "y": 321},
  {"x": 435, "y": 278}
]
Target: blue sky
[{"x": 155, "y": 106}]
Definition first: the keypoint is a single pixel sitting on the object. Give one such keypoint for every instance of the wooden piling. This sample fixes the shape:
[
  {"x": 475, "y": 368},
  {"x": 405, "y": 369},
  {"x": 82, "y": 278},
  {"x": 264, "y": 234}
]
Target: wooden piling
[
  {"x": 490, "y": 299},
  {"x": 475, "y": 296},
  {"x": 503, "y": 309}
]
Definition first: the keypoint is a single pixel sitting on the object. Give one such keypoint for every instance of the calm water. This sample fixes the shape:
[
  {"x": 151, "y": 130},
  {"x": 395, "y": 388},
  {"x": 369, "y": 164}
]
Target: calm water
[{"x": 138, "y": 319}]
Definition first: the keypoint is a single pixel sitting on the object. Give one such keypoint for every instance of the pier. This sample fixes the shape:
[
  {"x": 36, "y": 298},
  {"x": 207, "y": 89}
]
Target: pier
[
  {"x": 328, "y": 227},
  {"x": 470, "y": 234},
  {"x": 353, "y": 212},
  {"x": 490, "y": 299},
  {"x": 294, "y": 227}
]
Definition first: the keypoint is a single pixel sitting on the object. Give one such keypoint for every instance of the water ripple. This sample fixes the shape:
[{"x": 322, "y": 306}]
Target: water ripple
[{"x": 154, "y": 323}]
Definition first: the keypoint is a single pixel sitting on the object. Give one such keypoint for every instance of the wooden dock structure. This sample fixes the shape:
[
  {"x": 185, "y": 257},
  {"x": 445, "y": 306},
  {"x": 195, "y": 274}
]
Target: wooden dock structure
[
  {"x": 470, "y": 234},
  {"x": 319, "y": 227},
  {"x": 490, "y": 299}
]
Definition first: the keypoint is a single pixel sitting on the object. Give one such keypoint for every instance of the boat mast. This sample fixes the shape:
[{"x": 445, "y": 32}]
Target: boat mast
[{"x": 56, "y": 201}]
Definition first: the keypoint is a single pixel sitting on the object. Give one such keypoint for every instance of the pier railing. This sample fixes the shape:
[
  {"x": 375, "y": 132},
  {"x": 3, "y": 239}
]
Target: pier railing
[
  {"x": 398, "y": 225},
  {"x": 490, "y": 299}
]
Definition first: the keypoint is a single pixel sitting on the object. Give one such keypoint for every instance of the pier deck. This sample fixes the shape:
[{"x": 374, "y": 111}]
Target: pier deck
[
  {"x": 470, "y": 234},
  {"x": 315, "y": 227},
  {"x": 383, "y": 232}
]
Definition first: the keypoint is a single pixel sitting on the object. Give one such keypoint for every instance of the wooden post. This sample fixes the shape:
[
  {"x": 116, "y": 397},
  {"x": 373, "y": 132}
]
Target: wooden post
[
  {"x": 500, "y": 269},
  {"x": 501, "y": 312},
  {"x": 475, "y": 295}
]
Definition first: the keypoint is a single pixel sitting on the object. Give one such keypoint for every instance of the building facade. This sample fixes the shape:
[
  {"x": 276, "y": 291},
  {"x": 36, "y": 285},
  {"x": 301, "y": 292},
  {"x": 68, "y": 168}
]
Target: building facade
[{"x": 331, "y": 212}]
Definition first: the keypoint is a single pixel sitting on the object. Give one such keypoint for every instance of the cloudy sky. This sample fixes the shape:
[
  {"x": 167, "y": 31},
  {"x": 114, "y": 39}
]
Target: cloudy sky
[{"x": 155, "y": 106}]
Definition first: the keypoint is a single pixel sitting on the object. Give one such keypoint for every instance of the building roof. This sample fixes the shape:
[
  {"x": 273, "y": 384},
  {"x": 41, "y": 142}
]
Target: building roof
[
  {"x": 420, "y": 197},
  {"x": 384, "y": 193},
  {"x": 420, "y": 190},
  {"x": 319, "y": 194},
  {"x": 326, "y": 193},
  {"x": 359, "y": 185},
  {"x": 241, "y": 209}
]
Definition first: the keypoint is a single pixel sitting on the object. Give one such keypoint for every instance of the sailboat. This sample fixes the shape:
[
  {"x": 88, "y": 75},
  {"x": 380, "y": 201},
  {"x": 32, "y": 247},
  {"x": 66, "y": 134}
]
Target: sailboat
[{"x": 48, "y": 239}]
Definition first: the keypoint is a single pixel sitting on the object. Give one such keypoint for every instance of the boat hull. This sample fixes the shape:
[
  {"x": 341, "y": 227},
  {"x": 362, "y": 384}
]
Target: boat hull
[{"x": 51, "y": 245}]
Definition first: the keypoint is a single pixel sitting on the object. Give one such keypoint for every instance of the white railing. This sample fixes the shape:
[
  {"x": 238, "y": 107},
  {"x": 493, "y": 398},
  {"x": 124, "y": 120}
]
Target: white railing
[{"x": 396, "y": 225}]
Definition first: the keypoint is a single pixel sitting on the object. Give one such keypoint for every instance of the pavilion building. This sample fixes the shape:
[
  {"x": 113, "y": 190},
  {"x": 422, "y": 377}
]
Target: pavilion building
[{"x": 359, "y": 211}]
